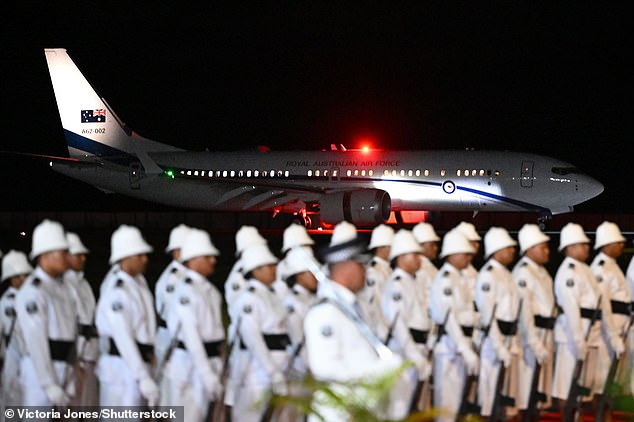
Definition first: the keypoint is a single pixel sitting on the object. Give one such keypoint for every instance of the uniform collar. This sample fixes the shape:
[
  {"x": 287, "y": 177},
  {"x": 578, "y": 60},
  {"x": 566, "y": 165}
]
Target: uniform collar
[
  {"x": 301, "y": 290},
  {"x": 179, "y": 267},
  {"x": 380, "y": 261},
  {"x": 259, "y": 286},
  {"x": 335, "y": 290},
  {"x": 529, "y": 262},
  {"x": 604, "y": 257},
  {"x": 195, "y": 277},
  {"x": 43, "y": 276},
  {"x": 495, "y": 264},
  {"x": 403, "y": 274}
]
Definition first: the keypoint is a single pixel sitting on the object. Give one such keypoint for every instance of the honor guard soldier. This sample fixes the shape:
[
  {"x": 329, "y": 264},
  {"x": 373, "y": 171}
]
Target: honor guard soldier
[
  {"x": 234, "y": 285},
  {"x": 47, "y": 321},
  {"x": 614, "y": 289},
  {"x": 301, "y": 296},
  {"x": 88, "y": 340},
  {"x": 15, "y": 270},
  {"x": 342, "y": 349},
  {"x": 579, "y": 295},
  {"x": 405, "y": 307},
  {"x": 377, "y": 273},
  {"x": 535, "y": 286},
  {"x": 498, "y": 302},
  {"x": 165, "y": 286},
  {"x": 195, "y": 322},
  {"x": 126, "y": 323},
  {"x": 451, "y": 308},
  {"x": 262, "y": 335}
]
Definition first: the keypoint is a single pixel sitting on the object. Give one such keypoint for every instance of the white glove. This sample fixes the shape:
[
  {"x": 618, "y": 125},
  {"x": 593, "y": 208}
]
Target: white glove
[
  {"x": 212, "y": 385},
  {"x": 504, "y": 356},
  {"x": 580, "y": 350},
  {"x": 56, "y": 395},
  {"x": 278, "y": 384},
  {"x": 149, "y": 390},
  {"x": 471, "y": 361},
  {"x": 541, "y": 353},
  {"x": 617, "y": 345},
  {"x": 424, "y": 369}
]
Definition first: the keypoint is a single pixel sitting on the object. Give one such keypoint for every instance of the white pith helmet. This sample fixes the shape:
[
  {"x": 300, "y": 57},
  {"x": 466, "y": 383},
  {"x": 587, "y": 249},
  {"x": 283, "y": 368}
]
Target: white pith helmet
[
  {"x": 424, "y": 232},
  {"x": 197, "y": 243},
  {"x": 127, "y": 241},
  {"x": 455, "y": 242},
  {"x": 382, "y": 235},
  {"x": 247, "y": 236},
  {"x": 342, "y": 233},
  {"x": 345, "y": 245},
  {"x": 75, "y": 245},
  {"x": 177, "y": 237},
  {"x": 15, "y": 263},
  {"x": 295, "y": 235},
  {"x": 256, "y": 256},
  {"x": 48, "y": 236},
  {"x": 571, "y": 234},
  {"x": 607, "y": 233},
  {"x": 469, "y": 231},
  {"x": 495, "y": 239},
  {"x": 296, "y": 261},
  {"x": 529, "y": 236},
  {"x": 403, "y": 243}
]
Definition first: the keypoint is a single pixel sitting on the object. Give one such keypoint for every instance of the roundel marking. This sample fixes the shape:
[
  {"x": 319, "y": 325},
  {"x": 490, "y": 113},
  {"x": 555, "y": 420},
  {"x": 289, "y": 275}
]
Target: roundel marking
[{"x": 449, "y": 187}]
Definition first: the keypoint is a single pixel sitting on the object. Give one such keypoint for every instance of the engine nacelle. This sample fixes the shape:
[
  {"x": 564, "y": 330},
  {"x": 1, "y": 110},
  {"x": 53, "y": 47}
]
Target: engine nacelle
[{"x": 363, "y": 207}]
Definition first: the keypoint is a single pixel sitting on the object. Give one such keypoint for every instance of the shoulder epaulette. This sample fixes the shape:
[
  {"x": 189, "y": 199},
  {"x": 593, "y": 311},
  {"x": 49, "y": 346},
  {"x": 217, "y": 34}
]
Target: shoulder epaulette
[
  {"x": 36, "y": 282},
  {"x": 119, "y": 283}
]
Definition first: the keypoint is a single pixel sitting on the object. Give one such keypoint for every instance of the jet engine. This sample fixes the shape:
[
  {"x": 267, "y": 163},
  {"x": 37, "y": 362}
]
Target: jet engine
[{"x": 363, "y": 207}]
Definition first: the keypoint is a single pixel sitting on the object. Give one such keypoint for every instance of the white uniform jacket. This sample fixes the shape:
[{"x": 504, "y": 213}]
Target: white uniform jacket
[
  {"x": 297, "y": 302},
  {"x": 404, "y": 306},
  {"x": 262, "y": 331},
  {"x": 195, "y": 321},
  {"x": 578, "y": 293},
  {"x": 126, "y": 322},
  {"x": 451, "y": 307},
  {"x": 377, "y": 273},
  {"x": 614, "y": 288},
  {"x": 47, "y": 323}
]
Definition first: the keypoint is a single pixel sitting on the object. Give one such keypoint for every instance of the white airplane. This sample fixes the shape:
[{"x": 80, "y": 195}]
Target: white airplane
[{"x": 361, "y": 186}]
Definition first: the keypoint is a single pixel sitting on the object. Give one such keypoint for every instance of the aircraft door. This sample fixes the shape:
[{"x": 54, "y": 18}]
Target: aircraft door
[
  {"x": 334, "y": 174},
  {"x": 136, "y": 173},
  {"x": 526, "y": 176}
]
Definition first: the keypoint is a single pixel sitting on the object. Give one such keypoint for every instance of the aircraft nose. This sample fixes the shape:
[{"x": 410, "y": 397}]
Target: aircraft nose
[{"x": 590, "y": 187}]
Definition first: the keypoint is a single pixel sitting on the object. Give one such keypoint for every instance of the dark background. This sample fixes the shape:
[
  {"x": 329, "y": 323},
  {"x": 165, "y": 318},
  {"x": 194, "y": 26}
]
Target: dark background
[{"x": 553, "y": 79}]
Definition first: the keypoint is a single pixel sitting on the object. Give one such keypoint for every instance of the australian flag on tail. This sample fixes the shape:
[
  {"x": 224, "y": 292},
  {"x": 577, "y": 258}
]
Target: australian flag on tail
[{"x": 93, "y": 116}]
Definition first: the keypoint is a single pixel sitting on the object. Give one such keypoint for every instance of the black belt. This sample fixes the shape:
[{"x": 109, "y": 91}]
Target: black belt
[
  {"x": 162, "y": 322},
  {"x": 60, "y": 349},
  {"x": 547, "y": 323},
  {"x": 466, "y": 330},
  {"x": 88, "y": 331},
  {"x": 146, "y": 350},
  {"x": 507, "y": 328},
  {"x": 213, "y": 348},
  {"x": 273, "y": 341},
  {"x": 589, "y": 313},
  {"x": 622, "y": 308},
  {"x": 7, "y": 339},
  {"x": 419, "y": 336}
]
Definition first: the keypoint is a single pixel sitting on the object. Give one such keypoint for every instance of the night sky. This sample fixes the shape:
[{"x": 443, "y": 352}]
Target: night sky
[{"x": 546, "y": 78}]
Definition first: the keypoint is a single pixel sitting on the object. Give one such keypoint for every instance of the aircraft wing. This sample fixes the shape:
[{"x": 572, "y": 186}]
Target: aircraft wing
[{"x": 66, "y": 160}]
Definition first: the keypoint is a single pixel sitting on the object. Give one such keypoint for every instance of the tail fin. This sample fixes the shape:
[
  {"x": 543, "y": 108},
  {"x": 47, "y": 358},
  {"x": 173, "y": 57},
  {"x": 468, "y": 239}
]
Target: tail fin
[{"x": 90, "y": 126}]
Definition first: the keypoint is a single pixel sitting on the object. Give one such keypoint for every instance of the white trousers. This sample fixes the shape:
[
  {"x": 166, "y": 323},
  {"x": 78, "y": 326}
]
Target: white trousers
[
  {"x": 117, "y": 386},
  {"x": 449, "y": 379},
  {"x": 32, "y": 392}
]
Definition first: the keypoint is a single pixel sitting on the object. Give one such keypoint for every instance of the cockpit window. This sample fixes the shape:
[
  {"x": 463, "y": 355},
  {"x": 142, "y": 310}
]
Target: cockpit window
[{"x": 562, "y": 171}]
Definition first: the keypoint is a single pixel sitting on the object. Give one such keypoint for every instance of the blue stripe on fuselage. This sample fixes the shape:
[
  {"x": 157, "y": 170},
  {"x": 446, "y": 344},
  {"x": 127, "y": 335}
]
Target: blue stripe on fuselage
[{"x": 104, "y": 151}]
